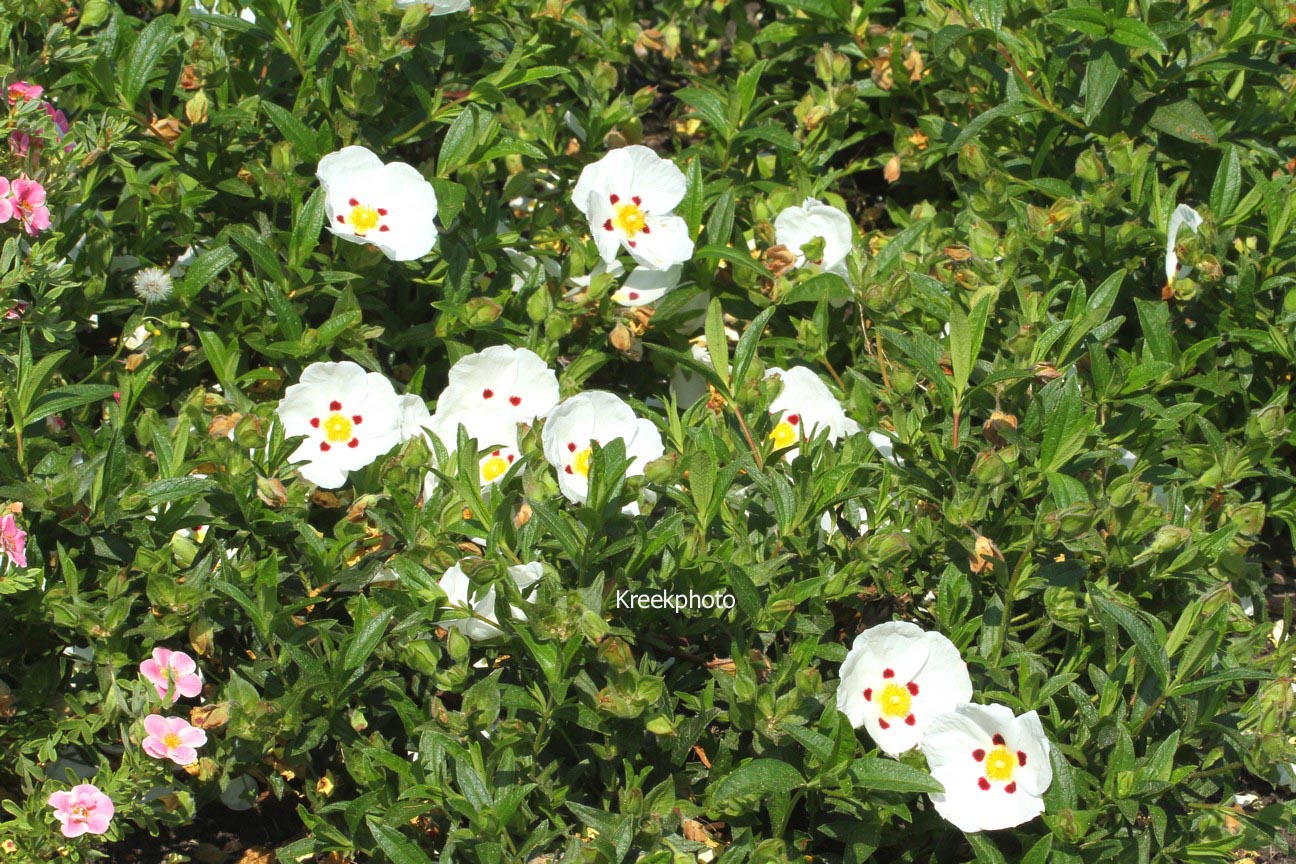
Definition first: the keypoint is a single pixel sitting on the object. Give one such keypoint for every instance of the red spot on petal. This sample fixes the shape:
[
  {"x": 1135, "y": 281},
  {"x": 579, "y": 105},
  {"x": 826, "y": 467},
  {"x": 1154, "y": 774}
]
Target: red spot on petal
[
  {"x": 382, "y": 228},
  {"x": 324, "y": 446},
  {"x": 633, "y": 295},
  {"x": 868, "y": 694},
  {"x": 614, "y": 198},
  {"x": 633, "y": 244},
  {"x": 353, "y": 202},
  {"x": 568, "y": 469},
  {"x": 913, "y": 688},
  {"x": 886, "y": 673},
  {"x": 342, "y": 219},
  {"x": 1021, "y": 758},
  {"x": 510, "y": 458},
  {"x": 978, "y": 755},
  {"x": 335, "y": 405},
  {"x": 314, "y": 422},
  {"x": 357, "y": 419},
  {"x": 637, "y": 200},
  {"x": 910, "y": 720},
  {"x": 794, "y": 419},
  {"x": 646, "y": 230},
  {"x": 984, "y": 784},
  {"x": 353, "y": 443},
  {"x": 515, "y": 401},
  {"x": 382, "y": 211},
  {"x": 496, "y": 453},
  {"x": 571, "y": 446},
  {"x": 1010, "y": 788},
  {"x": 607, "y": 226},
  {"x": 487, "y": 393},
  {"x": 998, "y": 739},
  {"x": 884, "y": 724}
]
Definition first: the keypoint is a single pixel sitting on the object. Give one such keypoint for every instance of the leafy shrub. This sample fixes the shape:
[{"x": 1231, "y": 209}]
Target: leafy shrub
[{"x": 1085, "y": 483}]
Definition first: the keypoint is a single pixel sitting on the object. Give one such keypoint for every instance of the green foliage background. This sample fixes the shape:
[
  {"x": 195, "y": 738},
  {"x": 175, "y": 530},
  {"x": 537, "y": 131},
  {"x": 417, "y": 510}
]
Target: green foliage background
[{"x": 1041, "y": 147}]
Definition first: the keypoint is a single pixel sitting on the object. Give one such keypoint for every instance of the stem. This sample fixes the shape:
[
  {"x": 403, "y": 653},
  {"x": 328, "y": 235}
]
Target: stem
[
  {"x": 1008, "y": 600},
  {"x": 760, "y": 463}
]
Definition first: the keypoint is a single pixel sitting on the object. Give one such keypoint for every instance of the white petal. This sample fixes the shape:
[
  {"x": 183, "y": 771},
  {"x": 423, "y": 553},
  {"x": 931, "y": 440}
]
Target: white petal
[
  {"x": 1182, "y": 215},
  {"x": 664, "y": 243},
  {"x": 645, "y": 285},
  {"x": 794, "y": 227},
  {"x": 885, "y": 448},
  {"x": 513, "y": 380}
]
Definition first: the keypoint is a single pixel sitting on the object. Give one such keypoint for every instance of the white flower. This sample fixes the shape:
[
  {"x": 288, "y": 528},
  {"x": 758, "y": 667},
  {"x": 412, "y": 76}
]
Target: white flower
[
  {"x": 897, "y": 679},
  {"x": 885, "y": 448},
  {"x": 687, "y": 385},
  {"x": 514, "y": 381},
  {"x": 628, "y": 197},
  {"x": 1182, "y": 215},
  {"x": 411, "y": 415},
  {"x": 994, "y": 766},
  {"x": 390, "y": 206},
  {"x": 644, "y": 285},
  {"x": 153, "y": 284},
  {"x": 595, "y": 417},
  {"x": 436, "y": 7},
  {"x": 807, "y": 406},
  {"x": 489, "y": 427},
  {"x": 136, "y": 339},
  {"x": 182, "y": 262},
  {"x": 349, "y": 417},
  {"x": 461, "y": 595},
  {"x": 797, "y": 226},
  {"x": 828, "y": 521}
]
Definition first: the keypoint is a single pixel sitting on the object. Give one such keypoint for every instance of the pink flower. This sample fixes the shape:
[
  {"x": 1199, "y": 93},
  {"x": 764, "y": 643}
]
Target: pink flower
[
  {"x": 28, "y": 199},
  {"x": 17, "y": 310},
  {"x": 13, "y": 541},
  {"x": 172, "y": 738},
  {"x": 83, "y": 810},
  {"x": 6, "y": 206},
  {"x": 167, "y": 667},
  {"x": 25, "y": 91}
]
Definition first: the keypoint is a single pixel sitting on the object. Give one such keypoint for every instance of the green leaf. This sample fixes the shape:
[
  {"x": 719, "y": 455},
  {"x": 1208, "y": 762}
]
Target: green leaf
[
  {"x": 888, "y": 775},
  {"x": 473, "y": 128},
  {"x": 204, "y": 269},
  {"x": 717, "y": 341},
  {"x": 890, "y": 255},
  {"x": 1066, "y": 423},
  {"x": 1085, "y": 19},
  {"x": 304, "y": 141},
  {"x": 152, "y": 42},
  {"x": 1146, "y": 643},
  {"x": 709, "y": 105},
  {"x": 365, "y": 640},
  {"x": 966, "y": 334},
  {"x": 691, "y": 205},
  {"x": 1227, "y": 187},
  {"x": 66, "y": 398},
  {"x": 756, "y": 778},
  {"x": 1133, "y": 33},
  {"x": 986, "y": 850},
  {"x": 395, "y": 846},
  {"x": 978, "y": 124},
  {"x": 1101, "y": 76},
  {"x": 1184, "y": 120}
]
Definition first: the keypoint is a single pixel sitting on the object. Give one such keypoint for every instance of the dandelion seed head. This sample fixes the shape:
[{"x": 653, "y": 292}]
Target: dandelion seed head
[{"x": 153, "y": 284}]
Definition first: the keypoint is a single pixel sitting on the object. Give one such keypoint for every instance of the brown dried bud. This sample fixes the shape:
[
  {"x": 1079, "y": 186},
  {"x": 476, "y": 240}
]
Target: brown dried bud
[
  {"x": 779, "y": 259},
  {"x": 892, "y": 170},
  {"x": 998, "y": 424}
]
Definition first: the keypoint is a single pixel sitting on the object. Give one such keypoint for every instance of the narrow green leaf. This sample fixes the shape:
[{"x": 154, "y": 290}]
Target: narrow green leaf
[{"x": 152, "y": 42}]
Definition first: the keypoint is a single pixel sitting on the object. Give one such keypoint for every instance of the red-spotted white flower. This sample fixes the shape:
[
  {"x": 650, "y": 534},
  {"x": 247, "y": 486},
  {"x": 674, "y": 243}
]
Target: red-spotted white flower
[
  {"x": 795, "y": 227},
  {"x": 994, "y": 766},
  {"x": 1183, "y": 216},
  {"x": 389, "y": 205},
  {"x": 512, "y": 381},
  {"x": 806, "y": 406},
  {"x": 436, "y": 7},
  {"x": 595, "y": 417},
  {"x": 629, "y": 197},
  {"x": 897, "y": 679},
  {"x": 494, "y": 430},
  {"x": 480, "y": 604},
  {"x": 349, "y": 417},
  {"x": 644, "y": 285}
]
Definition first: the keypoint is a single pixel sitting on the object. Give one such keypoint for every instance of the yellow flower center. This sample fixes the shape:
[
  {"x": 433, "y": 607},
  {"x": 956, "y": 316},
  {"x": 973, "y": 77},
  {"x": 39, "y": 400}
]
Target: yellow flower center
[
  {"x": 630, "y": 219},
  {"x": 337, "y": 428},
  {"x": 171, "y": 740},
  {"x": 784, "y": 435},
  {"x": 999, "y": 764},
  {"x": 493, "y": 467},
  {"x": 81, "y": 810},
  {"x": 894, "y": 701},
  {"x": 581, "y": 465},
  {"x": 363, "y": 218}
]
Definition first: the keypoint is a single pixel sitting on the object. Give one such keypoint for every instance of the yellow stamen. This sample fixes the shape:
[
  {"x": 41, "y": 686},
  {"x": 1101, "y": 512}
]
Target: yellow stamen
[
  {"x": 784, "y": 435},
  {"x": 493, "y": 467},
  {"x": 172, "y": 740},
  {"x": 337, "y": 429},
  {"x": 894, "y": 701},
  {"x": 630, "y": 219},
  {"x": 363, "y": 218},
  {"x": 582, "y": 463},
  {"x": 999, "y": 764}
]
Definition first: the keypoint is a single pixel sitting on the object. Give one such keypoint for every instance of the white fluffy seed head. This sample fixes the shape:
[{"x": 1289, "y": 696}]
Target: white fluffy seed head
[{"x": 153, "y": 284}]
